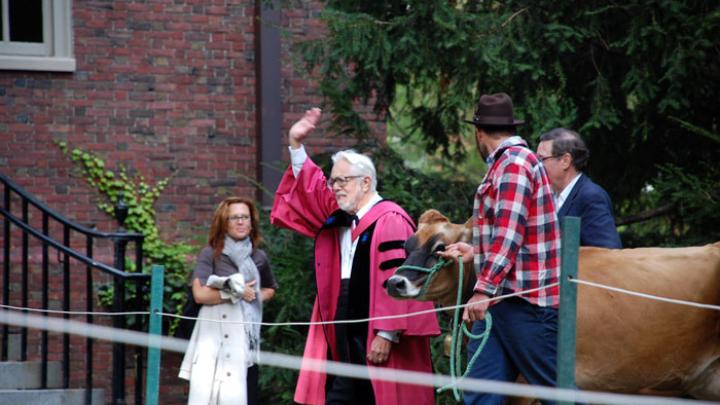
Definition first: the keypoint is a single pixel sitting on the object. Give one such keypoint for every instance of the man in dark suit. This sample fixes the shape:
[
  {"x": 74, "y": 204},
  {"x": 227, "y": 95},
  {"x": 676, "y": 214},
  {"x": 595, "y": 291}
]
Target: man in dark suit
[{"x": 564, "y": 155}]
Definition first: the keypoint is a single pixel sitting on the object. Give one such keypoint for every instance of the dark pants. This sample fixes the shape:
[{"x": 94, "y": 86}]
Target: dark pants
[
  {"x": 523, "y": 340},
  {"x": 351, "y": 345},
  {"x": 252, "y": 385}
]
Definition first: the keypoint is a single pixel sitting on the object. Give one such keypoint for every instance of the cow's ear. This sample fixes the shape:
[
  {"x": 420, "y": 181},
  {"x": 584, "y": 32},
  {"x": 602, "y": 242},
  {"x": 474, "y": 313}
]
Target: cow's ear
[
  {"x": 432, "y": 216},
  {"x": 466, "y": 235},
  {"x": 469, "y": 224}
]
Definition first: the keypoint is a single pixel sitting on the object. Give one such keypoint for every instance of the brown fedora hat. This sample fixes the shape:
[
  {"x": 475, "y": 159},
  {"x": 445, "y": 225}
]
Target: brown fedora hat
[{"x": 494, "y": 110}]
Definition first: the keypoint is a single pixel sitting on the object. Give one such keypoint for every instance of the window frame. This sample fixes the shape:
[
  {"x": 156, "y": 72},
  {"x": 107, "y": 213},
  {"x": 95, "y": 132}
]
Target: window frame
[{"x": 54, "y": 53}]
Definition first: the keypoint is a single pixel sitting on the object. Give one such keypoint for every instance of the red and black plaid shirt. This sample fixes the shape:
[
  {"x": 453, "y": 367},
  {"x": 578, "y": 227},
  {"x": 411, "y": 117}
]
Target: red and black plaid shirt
[{"x": 516, "y": 236}]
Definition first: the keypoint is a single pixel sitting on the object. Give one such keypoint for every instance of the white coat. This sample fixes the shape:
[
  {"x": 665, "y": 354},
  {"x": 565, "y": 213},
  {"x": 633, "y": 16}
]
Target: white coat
[{"x": 215, "y": 361}]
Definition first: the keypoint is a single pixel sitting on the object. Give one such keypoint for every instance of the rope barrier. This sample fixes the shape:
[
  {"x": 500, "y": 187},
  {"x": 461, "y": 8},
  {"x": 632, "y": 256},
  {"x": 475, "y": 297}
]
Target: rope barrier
[
  {"x": 648, "y": 296},
  {"x": 60, "y": 312},
  {"x": 342, "y": 369},
  {"x": 349, "y": 321},
  {"x": 293, "y": 323}
]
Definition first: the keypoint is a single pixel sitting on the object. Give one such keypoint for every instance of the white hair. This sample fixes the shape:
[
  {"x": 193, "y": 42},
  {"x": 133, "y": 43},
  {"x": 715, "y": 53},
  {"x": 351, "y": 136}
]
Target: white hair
[{"x": 361, "y": 163}]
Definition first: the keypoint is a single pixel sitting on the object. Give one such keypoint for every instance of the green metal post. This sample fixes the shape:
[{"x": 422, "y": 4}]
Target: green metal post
[
  {"x": 155, "y": 331},
  {"x": 570, "y": 230}
]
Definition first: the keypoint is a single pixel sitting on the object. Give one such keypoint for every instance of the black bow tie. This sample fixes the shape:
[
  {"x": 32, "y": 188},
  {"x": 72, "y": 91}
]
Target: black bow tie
[{"x": 341, "y": 218}]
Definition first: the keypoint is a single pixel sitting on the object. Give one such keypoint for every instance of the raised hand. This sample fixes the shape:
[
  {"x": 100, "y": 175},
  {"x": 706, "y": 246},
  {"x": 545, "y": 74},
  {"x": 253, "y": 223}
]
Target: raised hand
[{"x": 302, "y": 128}]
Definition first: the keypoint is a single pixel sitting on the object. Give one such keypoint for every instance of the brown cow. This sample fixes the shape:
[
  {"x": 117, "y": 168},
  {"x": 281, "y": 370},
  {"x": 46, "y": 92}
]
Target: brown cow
[{"x": 625, "y": 343}]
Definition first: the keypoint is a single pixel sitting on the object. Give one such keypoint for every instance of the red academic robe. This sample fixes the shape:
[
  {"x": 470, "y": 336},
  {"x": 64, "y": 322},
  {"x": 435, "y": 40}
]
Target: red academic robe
[{"x": 303, "y": 205}]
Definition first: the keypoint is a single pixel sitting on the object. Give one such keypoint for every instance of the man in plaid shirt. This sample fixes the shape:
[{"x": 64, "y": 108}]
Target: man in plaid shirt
[{"x": 516, "y": 247}]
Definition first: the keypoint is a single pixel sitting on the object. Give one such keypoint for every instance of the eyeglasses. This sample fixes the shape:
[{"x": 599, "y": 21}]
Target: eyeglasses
[
  {"x": 544, "y": 158},
  {"x": 341, "y": 181},
  {"x": 237, "y": 218}
]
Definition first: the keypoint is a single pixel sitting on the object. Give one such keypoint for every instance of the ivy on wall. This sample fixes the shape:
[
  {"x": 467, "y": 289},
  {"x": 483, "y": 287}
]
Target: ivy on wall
[{"x": 140, "y": 197}]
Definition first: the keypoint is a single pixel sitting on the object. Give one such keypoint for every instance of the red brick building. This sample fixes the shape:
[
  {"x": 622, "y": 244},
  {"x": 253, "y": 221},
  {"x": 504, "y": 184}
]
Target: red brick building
[
  {"x": 203, "y": 90},
  {"x": 163, "y": 87}
]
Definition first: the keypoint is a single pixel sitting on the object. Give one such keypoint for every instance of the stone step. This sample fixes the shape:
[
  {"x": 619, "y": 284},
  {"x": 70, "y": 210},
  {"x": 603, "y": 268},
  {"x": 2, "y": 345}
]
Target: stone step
[
  {"x": 26, "y": 375},
  {"x": 51, "y": 397}
]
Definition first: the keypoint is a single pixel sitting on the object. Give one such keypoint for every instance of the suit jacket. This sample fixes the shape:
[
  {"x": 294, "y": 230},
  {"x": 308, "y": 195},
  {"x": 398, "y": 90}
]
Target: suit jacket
[{"x": 592, "y": 204}]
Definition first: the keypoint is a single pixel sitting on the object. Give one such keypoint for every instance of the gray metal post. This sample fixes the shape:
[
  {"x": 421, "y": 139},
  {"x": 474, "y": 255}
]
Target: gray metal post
[
  {"x": 155, "y": 331},
  {"x": 268, "y": 96},
  {"x": 570, "y": 230}
]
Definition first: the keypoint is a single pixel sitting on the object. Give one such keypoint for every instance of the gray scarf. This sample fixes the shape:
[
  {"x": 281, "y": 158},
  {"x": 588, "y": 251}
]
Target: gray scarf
[{"x": 239, "y": 253}]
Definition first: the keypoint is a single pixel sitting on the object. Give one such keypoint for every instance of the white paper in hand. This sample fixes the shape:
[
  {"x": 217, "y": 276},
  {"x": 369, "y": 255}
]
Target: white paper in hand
[
  {"x": 216, "y": 282},
  {"x": 236, "y": 282}
]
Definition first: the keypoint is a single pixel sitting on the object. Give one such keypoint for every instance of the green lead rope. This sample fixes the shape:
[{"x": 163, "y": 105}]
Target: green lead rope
[
  {"x": 456, "y": 344},
  {"x": 455, "y": 347}
]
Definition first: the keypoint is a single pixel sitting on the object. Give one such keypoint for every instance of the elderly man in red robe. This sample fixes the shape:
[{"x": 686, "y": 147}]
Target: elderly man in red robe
[{"x": 359, "y": 240}]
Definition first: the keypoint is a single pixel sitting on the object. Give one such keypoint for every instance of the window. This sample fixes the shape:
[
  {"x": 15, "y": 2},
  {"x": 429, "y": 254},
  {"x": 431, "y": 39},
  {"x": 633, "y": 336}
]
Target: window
[{"x": 36, "y": 35}]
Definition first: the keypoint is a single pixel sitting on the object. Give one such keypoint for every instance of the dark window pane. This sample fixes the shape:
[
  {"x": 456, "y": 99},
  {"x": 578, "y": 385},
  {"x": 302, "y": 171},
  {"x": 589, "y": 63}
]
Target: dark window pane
[
  {"x": 1, "y": 23},
  {"x": 26, "y": 20}
]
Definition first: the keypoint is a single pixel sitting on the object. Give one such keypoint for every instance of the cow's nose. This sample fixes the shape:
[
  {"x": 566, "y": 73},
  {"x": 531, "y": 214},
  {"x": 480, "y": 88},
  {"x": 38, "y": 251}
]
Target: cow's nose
[{"x": 398, "y": 283}]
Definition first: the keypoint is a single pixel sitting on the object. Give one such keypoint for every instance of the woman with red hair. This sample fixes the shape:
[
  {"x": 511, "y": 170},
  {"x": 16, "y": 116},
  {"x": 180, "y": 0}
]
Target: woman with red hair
[{"x": 231, "y": 280}]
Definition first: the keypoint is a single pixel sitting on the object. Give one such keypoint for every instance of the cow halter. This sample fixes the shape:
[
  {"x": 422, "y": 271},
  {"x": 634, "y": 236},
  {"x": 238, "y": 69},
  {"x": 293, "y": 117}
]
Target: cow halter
[{"x": 431, "y": 273}]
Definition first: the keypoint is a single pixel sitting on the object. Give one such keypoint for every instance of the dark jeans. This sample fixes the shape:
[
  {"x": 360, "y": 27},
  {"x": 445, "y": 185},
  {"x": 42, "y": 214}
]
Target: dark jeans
[{"x": 523, "y": 340}]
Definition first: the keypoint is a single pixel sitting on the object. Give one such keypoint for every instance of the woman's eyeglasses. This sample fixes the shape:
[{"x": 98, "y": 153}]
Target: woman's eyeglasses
[{"x": 238, "y": 218}]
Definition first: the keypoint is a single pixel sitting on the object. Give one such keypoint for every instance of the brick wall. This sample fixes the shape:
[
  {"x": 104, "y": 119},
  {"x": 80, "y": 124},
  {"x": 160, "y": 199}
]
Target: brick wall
[{"x": 163, "y": 88}]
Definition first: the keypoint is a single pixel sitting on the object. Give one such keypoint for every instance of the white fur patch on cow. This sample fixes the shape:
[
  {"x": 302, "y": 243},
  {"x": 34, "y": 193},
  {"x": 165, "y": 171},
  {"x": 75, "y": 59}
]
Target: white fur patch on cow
[{"x": 407, "y": 288}]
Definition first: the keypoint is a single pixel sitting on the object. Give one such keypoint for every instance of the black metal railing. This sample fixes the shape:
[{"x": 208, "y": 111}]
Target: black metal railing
[{"x": 90, "y": 238}]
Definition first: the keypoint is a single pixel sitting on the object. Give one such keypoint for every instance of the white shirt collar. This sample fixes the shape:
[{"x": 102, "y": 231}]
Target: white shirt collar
[
  {"x": 347, "y": 245},
  {"x": 560, "y": 198},
  {"x": 365, "y": 208}
]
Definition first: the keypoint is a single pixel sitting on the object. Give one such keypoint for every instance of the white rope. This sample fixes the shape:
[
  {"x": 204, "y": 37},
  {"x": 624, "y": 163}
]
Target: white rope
[
  {"x": 350, "y": 321},
  {"x": 330, "y": 367},
  {"x": 644, "y": 295},
  {"x": 60, "y": 312},
  {"x": 362, "y": 320},
  {"x": 294, "y": 323}
]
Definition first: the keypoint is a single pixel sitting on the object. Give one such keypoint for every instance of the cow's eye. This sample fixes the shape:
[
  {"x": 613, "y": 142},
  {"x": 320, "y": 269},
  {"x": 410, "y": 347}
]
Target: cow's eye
[{"x": 440, "y": 247}]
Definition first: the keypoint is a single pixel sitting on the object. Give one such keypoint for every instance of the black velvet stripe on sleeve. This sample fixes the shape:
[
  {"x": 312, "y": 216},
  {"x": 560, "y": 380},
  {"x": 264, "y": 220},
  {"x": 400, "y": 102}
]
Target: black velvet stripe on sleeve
[
  {"x": 391, "y": 264},
  {"x": 391, "y": 244}
]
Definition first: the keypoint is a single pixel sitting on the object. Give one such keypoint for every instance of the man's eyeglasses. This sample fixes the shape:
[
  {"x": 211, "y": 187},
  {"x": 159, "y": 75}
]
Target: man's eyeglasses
[
  {"x": 341, "y": 181},
  {"x": 237, "y": 218},
  {"x": 544, "y": 158}
]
